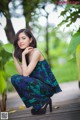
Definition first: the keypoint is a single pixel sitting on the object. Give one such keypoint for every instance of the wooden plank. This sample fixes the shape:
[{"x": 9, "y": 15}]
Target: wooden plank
[
  {"x": 73, "y": 115},
  {"x": 65, "y": 112}
]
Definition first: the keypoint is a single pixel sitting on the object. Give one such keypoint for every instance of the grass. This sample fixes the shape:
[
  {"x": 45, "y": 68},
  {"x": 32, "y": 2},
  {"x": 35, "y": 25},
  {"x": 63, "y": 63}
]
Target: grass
[{"x": 66, "y": 72}]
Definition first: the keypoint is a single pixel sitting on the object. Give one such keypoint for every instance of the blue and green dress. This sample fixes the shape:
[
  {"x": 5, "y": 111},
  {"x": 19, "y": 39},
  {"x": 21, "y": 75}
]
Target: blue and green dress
[{"x": 36, "y": 89}]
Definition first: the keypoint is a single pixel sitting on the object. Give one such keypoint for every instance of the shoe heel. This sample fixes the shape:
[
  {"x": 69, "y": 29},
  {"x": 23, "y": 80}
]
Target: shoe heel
[{"x": 50, "y": 105}]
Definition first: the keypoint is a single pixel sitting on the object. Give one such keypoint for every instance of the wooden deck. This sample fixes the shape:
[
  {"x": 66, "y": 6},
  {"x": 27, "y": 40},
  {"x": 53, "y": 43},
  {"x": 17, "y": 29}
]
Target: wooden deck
[
  {"x": 68, "y": 102},
  {"x": 64, "y": 112}
]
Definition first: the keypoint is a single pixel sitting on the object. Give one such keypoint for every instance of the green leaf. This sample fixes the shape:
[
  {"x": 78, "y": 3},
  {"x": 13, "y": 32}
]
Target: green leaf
[
  {"x": 68, "y": 7},
  {"x": 78, "y": 53},
  {"x": 75, "y": 41},
  {"x": 10, "y": 68},
  {"x": 2, "y": 82},
  {"x": 78, "y": 59},
  {"x": 8, "y": 47}
]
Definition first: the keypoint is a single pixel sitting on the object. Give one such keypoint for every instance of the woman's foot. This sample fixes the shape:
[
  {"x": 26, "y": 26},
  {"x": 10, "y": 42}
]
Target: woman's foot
[
  {"x": 42, "y": 110},
  {"x": 38, "y": 112}
]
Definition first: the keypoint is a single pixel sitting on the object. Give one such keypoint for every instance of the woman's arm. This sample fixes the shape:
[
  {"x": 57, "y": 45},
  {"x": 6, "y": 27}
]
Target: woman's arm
[
  {"x": 28, "y": 69},
  {"x": 17, "y": 65}
]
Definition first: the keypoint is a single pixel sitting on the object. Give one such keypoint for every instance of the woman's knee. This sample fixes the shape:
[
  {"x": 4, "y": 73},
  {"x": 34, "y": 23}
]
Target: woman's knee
[{"x": 13, "y": 78}]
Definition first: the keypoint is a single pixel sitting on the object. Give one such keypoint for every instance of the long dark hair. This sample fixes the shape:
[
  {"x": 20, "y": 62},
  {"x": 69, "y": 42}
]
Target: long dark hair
[{"x": 18, "y": 51}]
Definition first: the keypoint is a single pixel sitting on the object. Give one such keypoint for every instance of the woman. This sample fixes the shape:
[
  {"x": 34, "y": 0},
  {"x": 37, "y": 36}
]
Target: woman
[{"x": 35, "y": 82}]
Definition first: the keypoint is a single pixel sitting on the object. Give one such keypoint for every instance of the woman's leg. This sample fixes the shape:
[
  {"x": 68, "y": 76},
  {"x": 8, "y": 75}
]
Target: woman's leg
[
  {"x": 32, "y": 91},
  {"x": 15, "y": 83}
]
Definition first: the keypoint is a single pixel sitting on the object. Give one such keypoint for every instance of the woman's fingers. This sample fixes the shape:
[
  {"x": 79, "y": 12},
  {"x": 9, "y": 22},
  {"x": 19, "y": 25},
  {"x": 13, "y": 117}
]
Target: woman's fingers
[
  {"x": 27, "y": 50},
  {"x": 30, "y": 47}
]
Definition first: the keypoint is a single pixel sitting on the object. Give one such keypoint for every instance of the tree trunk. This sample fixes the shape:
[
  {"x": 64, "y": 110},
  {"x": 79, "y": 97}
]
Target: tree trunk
[
  {"x": 9, "y": 30},
  {"x": 3, "y": 101}
]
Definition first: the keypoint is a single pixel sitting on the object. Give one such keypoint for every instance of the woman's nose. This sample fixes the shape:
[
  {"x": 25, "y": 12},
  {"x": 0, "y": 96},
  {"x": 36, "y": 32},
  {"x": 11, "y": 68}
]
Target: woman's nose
[{"x": 20, "y": 41}]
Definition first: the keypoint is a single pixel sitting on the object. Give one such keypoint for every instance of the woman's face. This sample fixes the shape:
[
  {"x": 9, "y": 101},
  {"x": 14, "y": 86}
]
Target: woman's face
[{"x": 23, "y": 41}]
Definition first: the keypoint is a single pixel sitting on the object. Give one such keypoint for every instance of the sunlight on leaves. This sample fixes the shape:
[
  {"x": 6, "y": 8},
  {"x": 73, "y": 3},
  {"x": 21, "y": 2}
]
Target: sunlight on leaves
[{"x": 8, "y": 47}]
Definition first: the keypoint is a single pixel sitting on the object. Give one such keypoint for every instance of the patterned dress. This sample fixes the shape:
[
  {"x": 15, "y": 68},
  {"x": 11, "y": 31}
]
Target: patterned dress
[{"x": 38, "y": 87}]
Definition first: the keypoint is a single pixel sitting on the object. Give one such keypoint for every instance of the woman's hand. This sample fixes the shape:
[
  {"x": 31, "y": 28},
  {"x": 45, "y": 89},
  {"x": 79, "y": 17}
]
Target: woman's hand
[{"x": 27, "y": 50}]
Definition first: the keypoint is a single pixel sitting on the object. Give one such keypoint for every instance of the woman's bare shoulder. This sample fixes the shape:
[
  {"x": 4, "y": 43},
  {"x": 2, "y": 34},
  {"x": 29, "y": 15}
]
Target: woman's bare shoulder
[
  {"x": 38, "y": 52},
  {"x": 35, "y": 52}
]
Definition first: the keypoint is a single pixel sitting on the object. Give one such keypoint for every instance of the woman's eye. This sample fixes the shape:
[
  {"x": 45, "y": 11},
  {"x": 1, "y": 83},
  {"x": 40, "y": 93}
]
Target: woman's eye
[{"x": 23, "y": 38}]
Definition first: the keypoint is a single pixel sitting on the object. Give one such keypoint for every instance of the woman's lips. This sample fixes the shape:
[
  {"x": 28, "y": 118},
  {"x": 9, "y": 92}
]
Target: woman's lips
[{"x": 21, "y": 45}]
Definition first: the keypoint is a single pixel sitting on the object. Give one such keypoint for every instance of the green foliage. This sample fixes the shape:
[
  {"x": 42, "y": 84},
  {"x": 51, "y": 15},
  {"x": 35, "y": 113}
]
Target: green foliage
[
  {"x": 8, "y": 47},
  {"x": 9, "y": 65},
  {"x": 66, "y": 72},
  {"x": 29, "y": 10},
  {"x": 78, "y": 60},
  {"x": 10, "y": 68},
  {"x": 75, "y": 41},
  {"x": 70, "y": 14},
  {"x": 4, "y": 6},
  {"x": 5, "y": 56},
  {"x": 2, "y": 81}
]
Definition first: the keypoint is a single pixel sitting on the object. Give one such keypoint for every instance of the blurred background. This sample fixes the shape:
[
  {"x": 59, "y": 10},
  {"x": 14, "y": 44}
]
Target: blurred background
[{"x": 56, "y": 26}]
